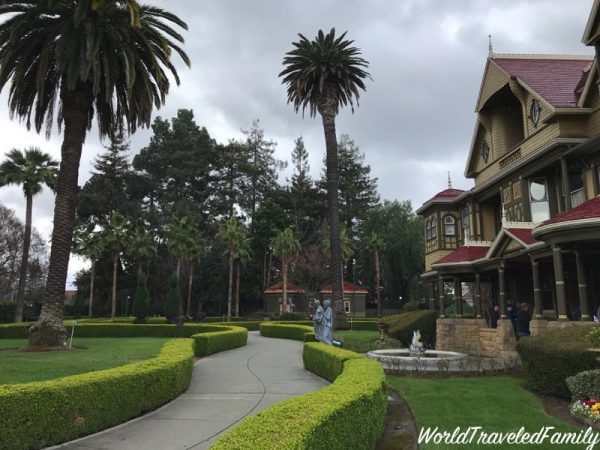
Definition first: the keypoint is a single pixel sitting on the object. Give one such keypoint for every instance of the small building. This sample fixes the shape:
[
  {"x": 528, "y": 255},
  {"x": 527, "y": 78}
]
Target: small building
[
  {"x": 355, "y": 298},
  {"x": 297, "y": 302}
]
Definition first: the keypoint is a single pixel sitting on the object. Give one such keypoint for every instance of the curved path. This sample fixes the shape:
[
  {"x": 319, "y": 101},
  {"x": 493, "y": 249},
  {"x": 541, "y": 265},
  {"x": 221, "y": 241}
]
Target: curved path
[{"x": 225, "y": 388}]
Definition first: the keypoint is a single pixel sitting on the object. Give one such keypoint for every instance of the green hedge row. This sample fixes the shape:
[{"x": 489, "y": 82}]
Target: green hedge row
[
  {"x": 39, "y": 414},
  {"x": 361, "y": 324},
  {"x": 327, "y": 361},
  {"x": 550, "y": 358},
  {"x": 349, "y": 413},
  {"x": 402, "y": 326},
  {"x": 286, "y": 331},
  {"x": 219, "y": 339}
]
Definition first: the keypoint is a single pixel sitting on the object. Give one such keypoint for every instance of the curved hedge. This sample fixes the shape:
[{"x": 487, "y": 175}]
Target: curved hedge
[
  {"x": 219, "y": 338},
  {"x": 287, "y": 331},
  {"x": 550, "y": 358},
  {"x": 402, "y": 326},
  {"x": 39, "y": 414},
  {"x": 349, "y": 413}
]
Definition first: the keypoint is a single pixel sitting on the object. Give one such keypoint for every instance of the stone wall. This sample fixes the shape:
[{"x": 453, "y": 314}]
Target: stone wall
[
  {"x": 539, "y": 326},
  {"x": 472, "y": 336}
]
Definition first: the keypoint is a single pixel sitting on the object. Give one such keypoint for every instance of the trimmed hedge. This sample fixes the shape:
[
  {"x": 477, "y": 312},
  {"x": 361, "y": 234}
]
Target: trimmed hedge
[
  {"x": 361, "y": 324},
  {"x": 584, "y": 385},
  {"x": 327, "y": 361},
  {"x": 347, "y": 414},
  {"x": 209, "y": 338},
  {"x": 39, "y": 414},
  {"x": 285, "y": 331},
  {"x": 402, "y": 326},
  {"x": 550, "y": 358}
]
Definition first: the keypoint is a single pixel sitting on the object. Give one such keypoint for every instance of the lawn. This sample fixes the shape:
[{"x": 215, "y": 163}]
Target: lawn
[
  {"x": 101, "y": 353},
  {"x": 364, "y": 341},
  {"x": 497, "y": 404}
]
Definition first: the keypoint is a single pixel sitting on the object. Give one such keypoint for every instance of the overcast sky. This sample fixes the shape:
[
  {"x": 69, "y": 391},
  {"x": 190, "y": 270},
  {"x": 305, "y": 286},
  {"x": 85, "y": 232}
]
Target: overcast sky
[{"x": 416, "y": 119}]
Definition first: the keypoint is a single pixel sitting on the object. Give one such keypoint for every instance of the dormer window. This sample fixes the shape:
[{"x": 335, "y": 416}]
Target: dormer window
[
  {"x": 433, "y": 228},
  {"x": 449, "y": 226}
]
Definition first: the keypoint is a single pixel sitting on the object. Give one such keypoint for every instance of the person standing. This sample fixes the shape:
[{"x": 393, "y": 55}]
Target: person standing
[{"x": 523, "y": 319}]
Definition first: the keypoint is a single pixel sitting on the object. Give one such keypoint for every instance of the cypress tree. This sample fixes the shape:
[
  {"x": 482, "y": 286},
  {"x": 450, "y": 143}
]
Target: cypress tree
[
  {"x": 172, "y": 305},
  {"x": 140, "y": 300}
]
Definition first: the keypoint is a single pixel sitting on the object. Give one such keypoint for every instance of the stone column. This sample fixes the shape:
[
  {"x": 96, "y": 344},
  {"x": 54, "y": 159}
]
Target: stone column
[
  {"x": 559, "y": 277},
  {"x": 537, "y": 291},
  {"x": 458, "y": 297},
  {"x": 441, "y": 293},
  {"x": 477, "y": 296},
  {"x": 431, "y": 289},
  {"x": 581, "y": 281},
  {"x": 502, "y": 290}
]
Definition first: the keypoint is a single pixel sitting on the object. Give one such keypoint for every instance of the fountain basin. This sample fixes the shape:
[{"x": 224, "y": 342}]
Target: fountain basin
[{"x": 404, "y": 360}]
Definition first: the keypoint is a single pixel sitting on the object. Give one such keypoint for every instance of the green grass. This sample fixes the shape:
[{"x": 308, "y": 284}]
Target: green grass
[
  {"x": 497, "y": 404},
  {"x": 364, "y": 341},
  {"x": 101, "y": 353}
]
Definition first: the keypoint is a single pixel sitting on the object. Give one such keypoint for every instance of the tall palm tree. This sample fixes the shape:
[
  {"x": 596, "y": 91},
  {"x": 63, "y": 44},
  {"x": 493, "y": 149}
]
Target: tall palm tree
[
  {"x": 242, "y": 255},
  {"x": 233, "y": 233},
  {"x": 376, "y": 244},
  {"x": 32, "y": 169},
  {"x": 106, "y": 59},
  {"x": 182, "y": 234},
  {"x": 116, "y": 239},
  {"x": 286, "y": 246},
  {"x": 323, "y": 75},
  {"x": 192, "y": 255},
  {"x": 346, "y": 248},
  {"x": 143, "y": 247},
  {"x": 91, "y": 246}
]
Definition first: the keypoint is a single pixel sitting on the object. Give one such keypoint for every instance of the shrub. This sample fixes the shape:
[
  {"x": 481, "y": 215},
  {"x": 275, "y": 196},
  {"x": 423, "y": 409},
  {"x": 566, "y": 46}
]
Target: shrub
[
  {"x": 550, "y": 358},
  {"x": 402, "y": 326},
  {"x": 346, "y": 414},
  {"x": 172, "y": 305},
  {"x": 40, "y": 414},
  {"x": 140, "y": 300},
  {"x": 326, "y": 361},
  {"x": 284, "y": 331},
  {"x": 285, "y": 317},
  {"x": 411, "y": 306},
  {"x": 222, "y": 338},
  {"x": 7, "y": 311},
  {"x": 594, "y": 337},
  {"x": 584, "y": 385}
]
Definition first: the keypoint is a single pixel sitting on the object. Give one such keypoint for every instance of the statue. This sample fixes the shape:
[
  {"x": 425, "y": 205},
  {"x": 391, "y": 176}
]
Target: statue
[
  {"x": 327, "y": 336},
  {"x": 417, "y": 346},
  {"x": 318, "y": 320}
]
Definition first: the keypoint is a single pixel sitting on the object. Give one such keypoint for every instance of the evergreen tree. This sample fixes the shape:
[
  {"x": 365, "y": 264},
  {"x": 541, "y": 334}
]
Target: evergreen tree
[
  {"x": 140, "y": 300},
  {"x": 172, "y": 305}
]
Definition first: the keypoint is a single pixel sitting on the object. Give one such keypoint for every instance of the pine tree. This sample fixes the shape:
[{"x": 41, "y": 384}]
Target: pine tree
[
  {"x": 140, "y": 300},
  {"x": 172, "y": 306}
]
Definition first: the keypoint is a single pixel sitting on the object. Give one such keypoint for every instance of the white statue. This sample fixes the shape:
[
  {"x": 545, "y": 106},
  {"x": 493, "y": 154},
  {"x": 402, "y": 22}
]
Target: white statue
[
  {"x": 417, "y": 346},
  {"x": 327, "y": 336},
  {"x": 318, "y": 320}
]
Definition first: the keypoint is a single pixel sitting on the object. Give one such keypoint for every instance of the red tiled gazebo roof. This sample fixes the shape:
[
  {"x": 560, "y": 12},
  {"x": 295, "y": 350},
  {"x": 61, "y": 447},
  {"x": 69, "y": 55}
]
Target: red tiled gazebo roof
[
  {"x": 348, "y": 287},
  {"x": 278, "y": 287},
  {"x": 464, "y": 254},
  {"x": 587, "y": 210},
  {"x": 555, "y": 79},
  {"x": 448, "y": 193}
]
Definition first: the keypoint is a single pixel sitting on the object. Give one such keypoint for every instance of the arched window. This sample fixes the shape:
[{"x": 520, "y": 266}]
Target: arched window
[
  {"x": 428, "y": 229},
  {"x": 433, "y": 228},
  {"x": 449, "y": 226}
]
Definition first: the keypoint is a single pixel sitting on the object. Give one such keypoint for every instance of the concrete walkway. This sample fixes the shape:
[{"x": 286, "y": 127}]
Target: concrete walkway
[{"x": 225, "y": 389}]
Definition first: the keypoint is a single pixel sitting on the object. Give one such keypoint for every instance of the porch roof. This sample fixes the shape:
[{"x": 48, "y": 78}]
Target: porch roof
[
  {"x": 464, "y": 254},
  {"x": 348, "y": 288},
  {"x": 278, "y": 287},
  {"x": 583, "y": 216}
]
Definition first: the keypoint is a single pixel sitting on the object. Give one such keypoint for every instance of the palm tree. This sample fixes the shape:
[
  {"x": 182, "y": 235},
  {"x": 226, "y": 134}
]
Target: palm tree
[
  {"x": 32, "y": 169},
  {"x": 192, "y": 255},
  {"x": 375, "y": 243},
  {"x": 242, "y": 256},
  {"x": 106, "y": 59},
  {"x": 116, "y": 239},
  {"x": 143, "y": 247},
  {"x": 233, "y": 232},
  {"x": 325, "y": 74},
  {"x": 286, "y": 246},
  {"x": 91, "y": 246},
  {"x": 182, "y": 234},
  {"x": 346, "y": 247}
]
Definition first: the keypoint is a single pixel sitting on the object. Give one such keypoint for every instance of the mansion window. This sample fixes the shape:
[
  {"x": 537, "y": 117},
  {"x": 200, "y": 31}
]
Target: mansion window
[
  {"x": 538, "y": 198},
  {"x": 433, "y": 228},
  {"x": 449, "y": 226},
  {"x": 576, "y": 185},
  {"x": 428, "y": 230},
  {"x": 465, "y": 222}
]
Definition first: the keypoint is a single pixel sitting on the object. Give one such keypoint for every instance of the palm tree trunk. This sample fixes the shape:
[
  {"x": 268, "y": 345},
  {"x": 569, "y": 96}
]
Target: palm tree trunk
[
  {"x": 188, "y": 308},
  {"x": 327, "y": 109},
  {"x": 229, "y": 293},
  {"x": 285, "y": 277},
  {"x": 90, "y": 311},
  {"x": 377, "y": 284},
  {"x": 24, "y": 261},
  {"x": 49, "y": 329},
  {"x": 237, "y": 289},
  {"x": 113, "y": 308},
  {"x": 178, "y": 268}
]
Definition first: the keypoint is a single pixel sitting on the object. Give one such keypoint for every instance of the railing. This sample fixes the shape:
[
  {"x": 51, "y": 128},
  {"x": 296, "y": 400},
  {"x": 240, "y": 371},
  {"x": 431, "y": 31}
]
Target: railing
[{"x": 577, "y": 197}]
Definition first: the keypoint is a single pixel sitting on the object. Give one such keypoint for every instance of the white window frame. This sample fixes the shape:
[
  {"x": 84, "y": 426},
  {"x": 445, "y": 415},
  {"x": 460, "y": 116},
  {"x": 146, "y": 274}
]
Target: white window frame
[{"x": 449, "y": 221}]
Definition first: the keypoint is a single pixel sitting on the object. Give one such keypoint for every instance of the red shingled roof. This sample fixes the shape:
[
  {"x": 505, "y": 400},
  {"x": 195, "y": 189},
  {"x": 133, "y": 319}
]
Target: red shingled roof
[
  {"x": 348, "y": 287},
  {"x": 464, "y": 254},
  {"x": 556, "y": 80},
  {"x": 448, "y": 193},
  {"x": 278, "y": 287},
  {"x": 587, "y": 210},
  {"x": 523, "y": 234}
]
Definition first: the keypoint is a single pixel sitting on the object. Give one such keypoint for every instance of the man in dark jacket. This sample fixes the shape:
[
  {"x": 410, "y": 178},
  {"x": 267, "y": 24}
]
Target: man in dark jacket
[
  {"x": 523, "y": 319},
  {"x": 493, "y": 316}
]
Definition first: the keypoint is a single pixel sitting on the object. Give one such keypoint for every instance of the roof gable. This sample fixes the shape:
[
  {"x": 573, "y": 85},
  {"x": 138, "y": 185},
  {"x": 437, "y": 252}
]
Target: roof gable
[
  {"x": 494, "y": 79},
  {"x": 592, "y": 28},
  {"x": 511, "y": 239}
]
